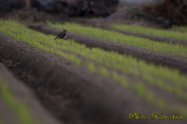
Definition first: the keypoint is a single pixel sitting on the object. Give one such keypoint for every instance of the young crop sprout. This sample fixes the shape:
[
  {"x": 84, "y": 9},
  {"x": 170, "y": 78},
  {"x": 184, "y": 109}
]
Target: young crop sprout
[{"x": 62, "y": 35}]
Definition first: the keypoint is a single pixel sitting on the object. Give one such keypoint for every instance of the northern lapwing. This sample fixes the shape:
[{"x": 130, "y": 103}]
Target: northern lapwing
[{"x": 62, "y": 35}]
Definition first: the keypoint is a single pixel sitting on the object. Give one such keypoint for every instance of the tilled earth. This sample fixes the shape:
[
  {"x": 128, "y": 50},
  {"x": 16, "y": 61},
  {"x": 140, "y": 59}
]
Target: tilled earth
[
  {"x": 72, "y": 94},
  {"x": 22, "y": 93},
  {"x": 165, "y": 60}
]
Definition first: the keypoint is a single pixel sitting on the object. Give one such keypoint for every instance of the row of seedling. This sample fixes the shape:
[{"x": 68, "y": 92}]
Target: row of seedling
[
  {"x": 107, "y": 64},
  {"x": 174, "y": 50}
]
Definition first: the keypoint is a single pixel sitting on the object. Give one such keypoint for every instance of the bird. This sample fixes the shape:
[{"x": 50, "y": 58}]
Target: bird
[{"x": 62, "y": 35}]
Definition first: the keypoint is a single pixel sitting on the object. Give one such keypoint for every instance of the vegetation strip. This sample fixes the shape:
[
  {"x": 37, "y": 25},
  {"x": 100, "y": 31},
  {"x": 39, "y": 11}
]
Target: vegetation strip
[
  {"x": 180, "y": 29},
  {"x": 77, "y": 50},
  {"x": 153, "y": 38},
  {"x": 56, "y": 77},
  {"x": 86, "y": 54},
  {"x": 139, "y": 53},
  {"x": 16, "y": 106},
  {"x": 1, "y": 121},
  {"x": 114, "y": 37},
  {"x": 160, "y": 33},
  {"x": 132, "y": 67}
]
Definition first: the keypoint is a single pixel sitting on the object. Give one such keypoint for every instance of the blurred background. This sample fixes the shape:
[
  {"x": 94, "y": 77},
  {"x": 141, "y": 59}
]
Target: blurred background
[{"x": 162, "y": 12}]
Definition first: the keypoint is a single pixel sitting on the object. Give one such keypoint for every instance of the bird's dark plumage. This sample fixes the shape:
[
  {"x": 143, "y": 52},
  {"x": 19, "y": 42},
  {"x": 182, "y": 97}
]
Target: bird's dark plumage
[{"x": 62, "y": 35}]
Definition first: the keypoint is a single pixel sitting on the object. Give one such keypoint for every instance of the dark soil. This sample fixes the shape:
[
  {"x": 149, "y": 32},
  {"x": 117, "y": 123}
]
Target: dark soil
[
  {"x": 22, "y": 93},
  {"x": 163, "y": 60},
  {"x": 71, "y": 93}
]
